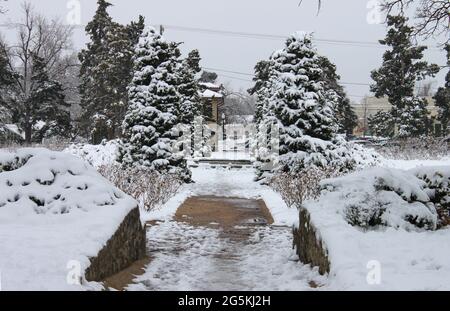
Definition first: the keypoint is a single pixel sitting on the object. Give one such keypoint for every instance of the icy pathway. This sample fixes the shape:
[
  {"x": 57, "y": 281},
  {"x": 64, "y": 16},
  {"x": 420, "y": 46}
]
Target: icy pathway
[{"x": 186, "y": 257}]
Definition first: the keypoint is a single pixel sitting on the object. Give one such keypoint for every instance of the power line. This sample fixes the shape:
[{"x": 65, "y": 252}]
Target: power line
[
  {"x": 250, "y": 35},
  {"x": 260, "y": 35},
  {"x": 356, "y": 43},
  {"x": 252, "y": 75}
]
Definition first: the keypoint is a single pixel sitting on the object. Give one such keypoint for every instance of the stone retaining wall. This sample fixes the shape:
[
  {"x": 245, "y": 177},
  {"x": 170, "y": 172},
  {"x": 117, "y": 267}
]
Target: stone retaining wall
[
  {"x": 126, "y": 246},
  {"x": 308, "y": 247}
]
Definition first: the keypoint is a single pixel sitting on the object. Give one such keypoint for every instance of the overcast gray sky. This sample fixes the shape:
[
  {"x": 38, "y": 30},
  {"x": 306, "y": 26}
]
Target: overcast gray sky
[{"x": 338, "y": 20}]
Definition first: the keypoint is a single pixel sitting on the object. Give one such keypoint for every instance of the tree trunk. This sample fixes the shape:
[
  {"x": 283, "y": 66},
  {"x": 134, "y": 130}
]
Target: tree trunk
[{"x": 28, "y": 133}]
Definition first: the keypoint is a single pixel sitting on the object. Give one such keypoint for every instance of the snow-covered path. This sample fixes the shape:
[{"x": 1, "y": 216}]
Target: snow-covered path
[{"x": 186, "y": 257}]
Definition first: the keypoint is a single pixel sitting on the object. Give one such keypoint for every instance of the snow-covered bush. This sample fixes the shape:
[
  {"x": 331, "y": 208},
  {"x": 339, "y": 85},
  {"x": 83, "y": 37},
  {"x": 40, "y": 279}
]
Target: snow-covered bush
[
  {"x": 149, "y": 187},
  {"x": 415, "y": 148},
  {"x": 388, "y": 197},
  {"x": 438, "y": 187},
  {"x": 364, "y": 157},
  {"x": 45, "y": 182},
  {"x": 95, "y": 155}
]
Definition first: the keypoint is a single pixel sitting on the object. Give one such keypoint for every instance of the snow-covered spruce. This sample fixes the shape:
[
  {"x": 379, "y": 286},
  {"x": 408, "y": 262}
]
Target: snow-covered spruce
[
  {"x": 300, "y": 106},
  {"x": 55, "y": 210},
  {"x": 148, "y": 128}
]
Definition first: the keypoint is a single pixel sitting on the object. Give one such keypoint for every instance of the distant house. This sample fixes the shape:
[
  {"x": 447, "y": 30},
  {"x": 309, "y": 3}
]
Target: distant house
[
  {"x": 212, "y": 99},
  {"x": 371, "y": 105}
]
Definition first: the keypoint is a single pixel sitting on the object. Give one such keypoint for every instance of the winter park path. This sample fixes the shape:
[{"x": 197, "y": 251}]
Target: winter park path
[{"x": 225, "y": 232}]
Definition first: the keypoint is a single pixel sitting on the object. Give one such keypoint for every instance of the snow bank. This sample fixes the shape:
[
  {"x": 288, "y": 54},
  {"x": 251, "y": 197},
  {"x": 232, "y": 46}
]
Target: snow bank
[
  {"x": 404, "y": 256},
  {"x": 96, "y": 155},
  {"x": 56, "y": 211}
]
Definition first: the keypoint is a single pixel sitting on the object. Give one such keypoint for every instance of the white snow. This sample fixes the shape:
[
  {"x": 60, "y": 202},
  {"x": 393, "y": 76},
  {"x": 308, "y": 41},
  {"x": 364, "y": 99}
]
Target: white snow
[
  {"x": 210, "y": 85},
  {"x": 56, "y": 211},
  {"x": 410, "y": 164},
  {"x": 408, "y": 258},
  {"x": 193, "y": 258},
  {"x": 210, "y": 94},
  {"x": 95, "y": 155},
  {"x": 196, "y": 258}
]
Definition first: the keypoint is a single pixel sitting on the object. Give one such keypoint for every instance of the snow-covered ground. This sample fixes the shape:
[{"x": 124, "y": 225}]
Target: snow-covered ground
[
  {"x": 193, "y": 258},
  {"x": 227, "y": 182},
  {"x": 397, "y": 256},
  {"x": 410, "y": 164},
  {"x": 56, "y": 211},
  {"x": 407, "y": 260},
  {"x": 188, "y": 258}
]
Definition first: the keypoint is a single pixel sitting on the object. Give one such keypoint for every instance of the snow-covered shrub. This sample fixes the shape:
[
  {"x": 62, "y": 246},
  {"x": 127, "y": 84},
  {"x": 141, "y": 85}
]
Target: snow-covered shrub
[
  {"x": 150, "y": 187},
  {"x": 438, "y": 188},
  {"x": 301, "y": 186},
  {"x": 95, "y": 155},
  {"x": 382, "y": 197},
  {"x": 415, "y": 148},
  {"x": 364, "y": 157},
  {"x": 41, "y": 181}
]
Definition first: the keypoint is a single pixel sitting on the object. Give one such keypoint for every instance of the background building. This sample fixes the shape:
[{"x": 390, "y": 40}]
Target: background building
[{"x": 371, "y": 105}]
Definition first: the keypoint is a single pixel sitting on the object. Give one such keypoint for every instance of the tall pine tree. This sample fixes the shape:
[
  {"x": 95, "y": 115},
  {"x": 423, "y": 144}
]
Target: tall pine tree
[
  {"x": 6, "y": 81},
  {"x": 106, "y": 70},
  {"x": 148, "y": 129},
  {"x": 396, "y": 78},
  {"x": 344, "y": 114},
  {"x": 45, "y": 111},
  {"x": 302, "y": 110},
  {"x": 190, "y": 109},
  {"x": 442, "y": 99},
  {"x": 260, "y": 89},
  {"x": 188, "y": 88}
]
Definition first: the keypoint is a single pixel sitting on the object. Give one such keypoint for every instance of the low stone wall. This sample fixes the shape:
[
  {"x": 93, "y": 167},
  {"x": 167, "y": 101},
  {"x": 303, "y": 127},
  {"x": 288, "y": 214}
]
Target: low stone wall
[
  {"x": 126, "y": 246},
  {"x": 308, "y": 247}
]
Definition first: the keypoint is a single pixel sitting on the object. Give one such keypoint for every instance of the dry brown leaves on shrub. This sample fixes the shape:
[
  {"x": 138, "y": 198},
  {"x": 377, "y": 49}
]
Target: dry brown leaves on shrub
[
  {"x": 150, "y": 188},
  {"x": 296, "y": 188}
]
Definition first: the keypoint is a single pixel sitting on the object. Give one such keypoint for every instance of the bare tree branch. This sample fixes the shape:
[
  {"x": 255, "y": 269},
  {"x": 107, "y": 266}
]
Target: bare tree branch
[
  {"x": 433, "y": 16},
  {"x": 319, "y": 5}
]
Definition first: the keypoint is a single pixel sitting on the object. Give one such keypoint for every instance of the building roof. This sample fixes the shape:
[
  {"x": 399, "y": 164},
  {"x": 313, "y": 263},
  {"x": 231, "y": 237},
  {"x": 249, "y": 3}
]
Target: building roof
[
  {"x": 210, "y": 85},
  {"x": 210, "y": 94}
]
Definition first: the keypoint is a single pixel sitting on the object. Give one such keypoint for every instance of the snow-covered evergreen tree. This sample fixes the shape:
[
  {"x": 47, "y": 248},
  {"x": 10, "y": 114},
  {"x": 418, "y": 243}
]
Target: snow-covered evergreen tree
[
  {"x": 190, "y": 106},
  {"x": 402, "y": 67},
  {"x": 442, "y": 99},
  {"x": 301, "y": 108},
  {"x": 106, "y": 70},
  {"x": 148, "y": 129},
  {"x": 6, "y": 81},
  {"x": 381, "y": 124},
  {"x": 261, "y": 89},
  {"x": 190, "y": 112},
  {"x": 343, "y": 111},
  {"x": 48, "y": 110}
]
